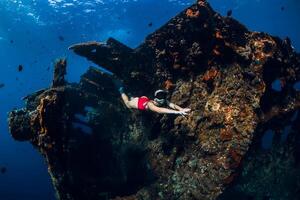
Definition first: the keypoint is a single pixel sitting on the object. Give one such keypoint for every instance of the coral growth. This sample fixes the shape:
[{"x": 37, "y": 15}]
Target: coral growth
[{"x": 192, "y": 14}]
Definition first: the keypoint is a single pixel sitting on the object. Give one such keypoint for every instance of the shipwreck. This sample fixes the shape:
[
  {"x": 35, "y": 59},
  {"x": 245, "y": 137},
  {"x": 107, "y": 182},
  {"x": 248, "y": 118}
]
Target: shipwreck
[{"x": 96, "y": 148}]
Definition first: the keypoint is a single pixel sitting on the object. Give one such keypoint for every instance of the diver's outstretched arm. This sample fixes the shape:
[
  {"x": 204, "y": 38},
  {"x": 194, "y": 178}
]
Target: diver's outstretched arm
[
  {"x": 176, "y": 107},
  {"x": 157, "y": 109}
]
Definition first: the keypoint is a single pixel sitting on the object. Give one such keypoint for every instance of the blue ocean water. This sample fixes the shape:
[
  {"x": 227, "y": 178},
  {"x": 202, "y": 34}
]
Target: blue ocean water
[{"x": 33, "y": 33}]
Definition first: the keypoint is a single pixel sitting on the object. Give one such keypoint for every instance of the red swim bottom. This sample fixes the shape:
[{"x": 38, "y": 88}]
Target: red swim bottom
[{"x": 142, "y": 102}]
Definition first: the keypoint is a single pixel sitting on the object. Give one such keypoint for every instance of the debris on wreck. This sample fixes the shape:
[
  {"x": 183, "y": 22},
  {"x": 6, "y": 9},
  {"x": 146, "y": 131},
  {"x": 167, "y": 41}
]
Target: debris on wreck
[{"x": 210, "y": 63}]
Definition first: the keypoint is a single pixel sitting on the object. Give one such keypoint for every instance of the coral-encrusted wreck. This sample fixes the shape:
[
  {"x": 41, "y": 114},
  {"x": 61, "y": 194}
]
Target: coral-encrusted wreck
[{"x": 96, "y": 148}]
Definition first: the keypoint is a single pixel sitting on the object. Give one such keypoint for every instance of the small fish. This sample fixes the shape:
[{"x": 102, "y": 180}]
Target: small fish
[
  {"x": 61, "y": 38},
  {"x": 150, "y": 24},
  {"x": 229, "y": 13},
  {"x": 11, "y": 41},
  {"x": 2, "y": 85},
  {"x": 3, "y": 170},
  {"x": 282, "y": 8},
  {"x": 20, "y": 68}
]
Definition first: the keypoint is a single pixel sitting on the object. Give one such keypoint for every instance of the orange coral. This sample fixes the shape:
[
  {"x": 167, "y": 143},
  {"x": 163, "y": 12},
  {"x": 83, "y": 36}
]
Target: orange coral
[
  {"x": 219, "y": 35},
  {"x": 192, "y": 14},
  {"x": 210, "y": 74},
  {"x": 225, "y": 134},
  {"x": 41, "y": 114},
  {"x": 260, "y": 56},
  {"x": 230, "y": 113},
  {"x": 244, "y": 113},
  {"x": 261, "y": 87},
  {"x": 168, "y": 84},
  {"x": 236, "y": 158},
  {"x": 201, "y": 3},
  {"x": 216, "y": 51}
]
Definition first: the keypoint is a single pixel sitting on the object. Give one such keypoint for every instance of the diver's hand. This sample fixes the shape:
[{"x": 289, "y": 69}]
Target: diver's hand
[
  {"x": 182, "y": 113},
  {"x": 187, "y": 110}
]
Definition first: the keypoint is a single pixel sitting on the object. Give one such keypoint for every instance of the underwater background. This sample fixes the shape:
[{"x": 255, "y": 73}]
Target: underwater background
[{"x": 33, "y": 33}]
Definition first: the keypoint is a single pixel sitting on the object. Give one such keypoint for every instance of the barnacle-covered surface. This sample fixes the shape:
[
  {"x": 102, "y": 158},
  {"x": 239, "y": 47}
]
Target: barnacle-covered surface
[{"x": 97, "y": 149}]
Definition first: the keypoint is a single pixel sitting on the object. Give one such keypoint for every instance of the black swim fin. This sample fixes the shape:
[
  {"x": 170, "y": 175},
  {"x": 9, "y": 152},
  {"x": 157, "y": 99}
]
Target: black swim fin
[{"x": 118, "y": 85}]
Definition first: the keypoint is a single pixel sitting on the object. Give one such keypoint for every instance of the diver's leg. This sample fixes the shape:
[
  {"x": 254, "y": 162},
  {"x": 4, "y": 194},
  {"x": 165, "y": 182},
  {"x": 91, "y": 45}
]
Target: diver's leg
[
  {"x": 119, "y": 86},
  {"x": 125, "y": 99},
  {"x": 132, "y": 103}
]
